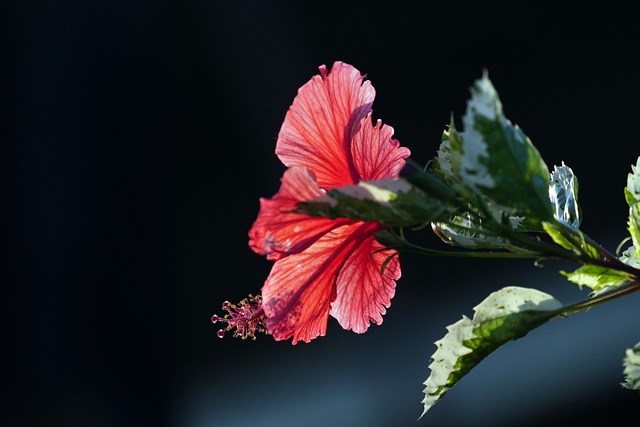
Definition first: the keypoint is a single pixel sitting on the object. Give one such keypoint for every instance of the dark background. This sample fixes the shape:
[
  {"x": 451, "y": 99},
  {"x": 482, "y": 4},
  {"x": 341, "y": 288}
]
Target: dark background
[{"x": 138, "y": 137}]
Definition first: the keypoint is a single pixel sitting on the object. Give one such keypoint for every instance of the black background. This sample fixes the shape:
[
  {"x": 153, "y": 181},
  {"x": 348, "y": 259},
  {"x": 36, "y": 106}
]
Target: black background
[{"x": 138, "y": 137}]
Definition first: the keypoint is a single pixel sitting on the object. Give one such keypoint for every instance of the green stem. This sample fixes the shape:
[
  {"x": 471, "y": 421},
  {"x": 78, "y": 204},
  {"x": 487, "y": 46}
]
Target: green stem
[
  {"x": 608, "y": 260},
  {"x": 548, "y": 249},
  {"x": 466, "y": 254},
  {"x": 570, "y": 234}
]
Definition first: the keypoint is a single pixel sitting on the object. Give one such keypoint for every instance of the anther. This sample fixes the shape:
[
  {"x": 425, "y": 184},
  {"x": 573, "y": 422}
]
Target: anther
[{"x": 247, "y": 318}]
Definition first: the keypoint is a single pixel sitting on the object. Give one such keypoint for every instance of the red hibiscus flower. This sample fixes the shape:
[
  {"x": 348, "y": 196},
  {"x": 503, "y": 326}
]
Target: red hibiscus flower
[{"x": 327, "y": 266}]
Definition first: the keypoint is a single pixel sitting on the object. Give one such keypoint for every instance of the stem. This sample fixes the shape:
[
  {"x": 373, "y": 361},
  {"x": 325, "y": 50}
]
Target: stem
[
  {"x": 604, "y": 252},
  {"x": 466, "y": 254},
  {"x": 609, "y": 260},
  {"x": 612, "y": 294},
  {"x": 550, "y": 250},
  {"x": 613, "y": 264}
]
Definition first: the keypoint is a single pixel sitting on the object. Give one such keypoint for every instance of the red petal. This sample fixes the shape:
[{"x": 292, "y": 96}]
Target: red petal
[
  {"x": 376, "y": 155},
  {"x": 318, "y": 127},
  {"x": 326, "y": 266},
  {"x": 363, "y": 294},
  {"x": 275, "y": 232},
  {"x": 298, "y": 294}
]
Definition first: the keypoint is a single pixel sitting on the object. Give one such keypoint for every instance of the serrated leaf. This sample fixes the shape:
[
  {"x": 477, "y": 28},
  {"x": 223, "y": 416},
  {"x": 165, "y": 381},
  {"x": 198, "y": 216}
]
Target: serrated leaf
[
  {"x": 632, "y": 196},
  {"x": 563, "y": 193},
  {"x": 503, "y": 316},
  {"x": 463, "y": 231},
  {"x": 393, "y": 202},
  {"x": 597, "y": 278},
  {"x": 460, "y": 231},
  {"x": 631, "y": 370},
  {"x": 447, "y": 164},
  {"x": 497, "y": 159},
  {"x": 630, "y": 257}
]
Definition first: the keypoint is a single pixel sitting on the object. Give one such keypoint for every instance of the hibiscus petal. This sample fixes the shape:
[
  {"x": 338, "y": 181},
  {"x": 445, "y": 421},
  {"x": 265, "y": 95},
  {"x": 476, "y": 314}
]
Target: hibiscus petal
[
  {"x": 362, "y": 293},
  {"x": 296, "y": 297},
  {"x": 298, "y": 292},
  {"x": 318, "y": 127},
  {"x": 376, "y": 155},
  {"x": 327, "y": 267},
  {"x": 276, "y": 233}
]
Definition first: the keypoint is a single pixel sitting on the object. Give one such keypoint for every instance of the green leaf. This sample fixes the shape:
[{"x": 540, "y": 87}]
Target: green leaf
[
  {"x": 563, "y": 192},
  {"x": 631, "y": 370},
  {"x": 632, "y": 196},
  {"x": 556, "y": 234},
  {"x": 448, "y": 162},
  {"x": 459, "y": 233},
  {"x": 464, "y": 232},
  {"x": 630, "y": 257},
  {"x": 432, "y": 184},
  {"x": 494, "y": 158},
  {"x": 570, "y": 238},
  {"x": 504, "y": 316},
  {"x": 597, "y": 278},
  {"x": 393, "y": 202}
]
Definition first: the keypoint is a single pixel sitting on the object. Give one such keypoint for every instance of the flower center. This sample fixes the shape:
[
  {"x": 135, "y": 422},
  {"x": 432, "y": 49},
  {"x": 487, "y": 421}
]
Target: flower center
[{"x": 246, "y": 318}]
